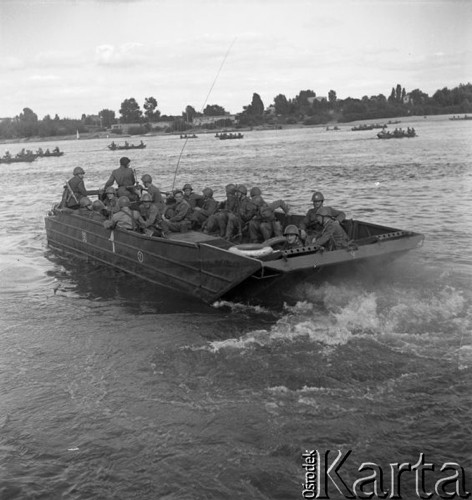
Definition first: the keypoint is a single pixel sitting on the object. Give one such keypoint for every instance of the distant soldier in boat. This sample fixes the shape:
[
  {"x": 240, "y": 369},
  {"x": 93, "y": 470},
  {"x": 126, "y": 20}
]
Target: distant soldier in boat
[
  {"x": 178, "y": 220},
  {"x": 125, "y": 179},
  {"x": 153, "y": 191},
  {"x": 310, "y": 223},
  {"x": 111, "y": 201},
  {"x": 333, "y": 236},
  {"x": 56, "y": 150},
  {"x": 74, "y": 190},
  {"x": 125, "y": 218},
  {"x": 206, "y": 207}
]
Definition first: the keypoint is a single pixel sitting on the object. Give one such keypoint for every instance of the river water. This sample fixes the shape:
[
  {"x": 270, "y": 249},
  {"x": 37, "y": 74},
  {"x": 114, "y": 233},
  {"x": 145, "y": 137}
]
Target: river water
[{"x": 113, "y": 389}]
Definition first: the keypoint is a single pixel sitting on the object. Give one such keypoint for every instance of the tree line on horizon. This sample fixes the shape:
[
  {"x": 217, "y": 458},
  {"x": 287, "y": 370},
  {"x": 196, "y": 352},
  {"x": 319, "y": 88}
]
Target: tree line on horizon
[{"x": 306, "y": 108}]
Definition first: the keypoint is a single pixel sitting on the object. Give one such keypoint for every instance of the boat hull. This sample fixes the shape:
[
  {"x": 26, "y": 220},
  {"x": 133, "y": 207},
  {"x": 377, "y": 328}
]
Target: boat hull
[
  {"x": 202, "y": 265},
  {"x": 203, "y": 271}
]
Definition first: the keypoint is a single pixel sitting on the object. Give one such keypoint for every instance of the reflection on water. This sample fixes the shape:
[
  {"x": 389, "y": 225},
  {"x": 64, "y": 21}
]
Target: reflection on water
[{"x": 98, "y": 282}]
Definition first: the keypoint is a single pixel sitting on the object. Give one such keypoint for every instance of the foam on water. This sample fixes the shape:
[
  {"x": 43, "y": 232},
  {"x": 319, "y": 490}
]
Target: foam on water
[{"x": 432, "y": 323}]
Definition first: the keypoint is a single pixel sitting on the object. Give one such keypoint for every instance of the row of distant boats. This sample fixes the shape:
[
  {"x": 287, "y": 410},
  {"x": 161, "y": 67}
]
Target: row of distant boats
[{"x": 27, "y": 155}]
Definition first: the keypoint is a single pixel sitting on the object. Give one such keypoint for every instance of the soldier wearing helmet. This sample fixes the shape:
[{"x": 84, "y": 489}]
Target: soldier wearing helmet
[
  {"x": 125, "y": 218},
  {"x": 264, "y": 224},
  {"x": 154, "y": 191},
  {"x": 111, "y": 201},
  {"x": 98, "y": 212},
  {"x": 150, "y": 216},
  {"x": 74, "y": 189},
  {"x": 85, "y": 206},
  {"x": 244, "y": 211},
  {"x": 292, "y": 237},
  {"x": 178, "y": 218},
  {"x": 124, "y": 177},
  {"x": 333, "y": 236},
  {"x": 206, "y": 207},
  {"x": 193, "y": 199},
  {"x": 219, "y": 220},
  {"x": 310, "y": 223}
]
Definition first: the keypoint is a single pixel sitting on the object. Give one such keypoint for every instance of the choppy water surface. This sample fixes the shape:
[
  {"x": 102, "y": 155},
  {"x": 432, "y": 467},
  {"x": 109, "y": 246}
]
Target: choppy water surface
[{"x": 114, "y": 389}]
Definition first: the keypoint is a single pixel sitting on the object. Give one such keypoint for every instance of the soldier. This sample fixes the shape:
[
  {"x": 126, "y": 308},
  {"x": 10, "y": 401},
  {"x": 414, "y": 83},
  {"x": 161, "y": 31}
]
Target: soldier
[
  {"x": 125, "y": 179},
  {"x": 150, "y": 216},
  {"x": 333, "y": 235},
  {"x": 310, "y": 223},
  {"x": 111, "y": 201},
  {"x": 179, "y": 221},
  {"x": 219, "y": 219},
  {"x": 292, "y": 237},
  {"x": 154, "y": 191},
  {"x": 245, "y": 210},
  {"x": 265, "y": 222},
  {"x": 74, "y": 189},
  {"x": 193, "y": 199},
  {"x": 98, "y": 212},
  {"x": 125, "y": 218},
  {"x": 85, "y": 206},
  {"x": 207, "y": 208}
]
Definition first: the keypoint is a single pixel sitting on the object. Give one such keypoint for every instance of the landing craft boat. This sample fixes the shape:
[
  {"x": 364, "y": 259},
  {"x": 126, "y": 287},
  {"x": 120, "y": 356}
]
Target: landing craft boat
[
  {"x": 209, "y": 267},
  {"x": 397, "y": 134},
  {"x": 116, "y": 147}
]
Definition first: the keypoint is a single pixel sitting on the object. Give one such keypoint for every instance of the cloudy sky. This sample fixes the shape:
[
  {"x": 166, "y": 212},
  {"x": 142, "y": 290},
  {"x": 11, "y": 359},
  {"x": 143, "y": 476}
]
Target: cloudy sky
[{"x": 80, "y": 56}]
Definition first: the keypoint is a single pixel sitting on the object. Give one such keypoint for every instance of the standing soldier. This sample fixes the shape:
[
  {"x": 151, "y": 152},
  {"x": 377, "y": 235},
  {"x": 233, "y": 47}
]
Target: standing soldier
[{"x": 125, "y": 179}]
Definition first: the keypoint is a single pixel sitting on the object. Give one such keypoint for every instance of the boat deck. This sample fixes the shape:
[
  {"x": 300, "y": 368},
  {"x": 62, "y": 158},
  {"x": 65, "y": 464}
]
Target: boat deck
[{"x": 198, "y": 237}]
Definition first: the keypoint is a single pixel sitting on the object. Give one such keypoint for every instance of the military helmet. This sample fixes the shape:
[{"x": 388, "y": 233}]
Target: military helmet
[
  {"x": 146, "y": 197},
  {"x": 230, "y": 188},
  {"x": 258, "y": 201},
  {"x": 124, "y": 160},
  {"x": 291, "y": 229},
  {"x": 255, "y": 191},
  {"x": 146, "y": 178},
  {"x": 187, "y": 186},
  {"x": 97, "y": 206},
  {"x": 110, "y": 190},
  {"x": 123, "y": 201},
  {"x": 85, "y": 202},
  {"x": 208, "y": 192},
  {"x": 317, "y": 196},
  {"x": 241, "y": 188},
  {"x": 78, "y": 170}
]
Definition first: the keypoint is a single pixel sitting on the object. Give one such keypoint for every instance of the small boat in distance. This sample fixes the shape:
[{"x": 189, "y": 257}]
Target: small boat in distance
[
  {"x": 465, "y": 117},
  {"x": 398, "y": 133},
  {"x": 116, "y": 147},
  {"x": 188, "y": 136},
  {"x": 26, "y": 156},
  {"x": 225, "y": 135}
]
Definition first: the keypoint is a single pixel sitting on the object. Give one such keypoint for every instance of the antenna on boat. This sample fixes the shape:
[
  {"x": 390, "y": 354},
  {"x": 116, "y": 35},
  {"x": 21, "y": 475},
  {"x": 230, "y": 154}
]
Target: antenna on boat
[{"x": 203, "y": 106}]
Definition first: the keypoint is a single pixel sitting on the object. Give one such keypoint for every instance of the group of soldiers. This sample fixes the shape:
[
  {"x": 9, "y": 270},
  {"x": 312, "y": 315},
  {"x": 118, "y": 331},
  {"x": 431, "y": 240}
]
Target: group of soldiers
[{"x": 243, "y": 213}]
